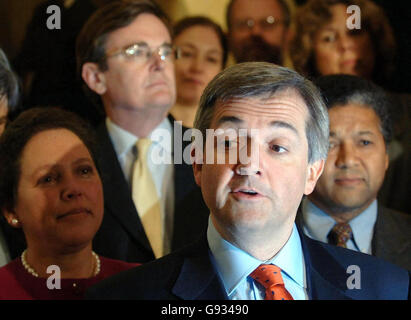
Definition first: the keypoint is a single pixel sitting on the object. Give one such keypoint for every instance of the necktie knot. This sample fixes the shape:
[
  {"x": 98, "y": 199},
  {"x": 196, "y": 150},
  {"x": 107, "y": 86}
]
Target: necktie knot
[
  {"x": 142, "y": 146},
  {"x": 340, "y": 234},
  {"x": 269, "y": 276}
]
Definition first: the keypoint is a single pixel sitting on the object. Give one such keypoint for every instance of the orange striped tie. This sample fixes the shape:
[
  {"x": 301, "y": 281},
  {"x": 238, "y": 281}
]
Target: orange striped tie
[{"x": 270, "y": 277}]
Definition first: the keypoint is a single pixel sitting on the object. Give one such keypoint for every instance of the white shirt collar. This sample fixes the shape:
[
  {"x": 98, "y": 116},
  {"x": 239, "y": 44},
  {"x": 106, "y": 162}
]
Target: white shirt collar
[{"x": 162, "y": 136}]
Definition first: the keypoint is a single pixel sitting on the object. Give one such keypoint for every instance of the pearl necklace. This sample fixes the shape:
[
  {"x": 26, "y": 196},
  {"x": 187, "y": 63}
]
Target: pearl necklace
[{"x": 30, "y": 270}]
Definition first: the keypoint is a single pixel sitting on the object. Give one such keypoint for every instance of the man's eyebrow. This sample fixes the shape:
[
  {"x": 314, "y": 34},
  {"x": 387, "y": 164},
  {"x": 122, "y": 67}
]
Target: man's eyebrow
[
  {"x": 282, "y": 124},
  {"x": 273, "y": 124},
  {"x": 362, "y": 133},
  {"x": 229, "y": 119}
]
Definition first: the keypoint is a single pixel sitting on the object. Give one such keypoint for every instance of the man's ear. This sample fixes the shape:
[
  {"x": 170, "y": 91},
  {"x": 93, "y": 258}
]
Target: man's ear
[
  {"x": 315, "y": 170},
  {"x": 93, "y": 77},
  {"x": 197, "y": 166},
  {"x": 11, "y": 218}
]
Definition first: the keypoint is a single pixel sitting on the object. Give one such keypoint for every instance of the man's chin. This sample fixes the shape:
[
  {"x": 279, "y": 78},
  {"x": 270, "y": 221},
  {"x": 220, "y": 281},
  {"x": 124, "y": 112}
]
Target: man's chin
[
  {"x": 161, "y": 101},
  {"x": 351, "y": 204}
]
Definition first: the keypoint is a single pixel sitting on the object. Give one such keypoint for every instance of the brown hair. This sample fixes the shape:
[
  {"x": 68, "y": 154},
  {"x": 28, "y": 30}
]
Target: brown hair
[
  {"x": 90, "y": 45},
  {"x": 316, "y": 13},
  {"x": 19, "y": 133},
  {"x": 189, "y": 22}
]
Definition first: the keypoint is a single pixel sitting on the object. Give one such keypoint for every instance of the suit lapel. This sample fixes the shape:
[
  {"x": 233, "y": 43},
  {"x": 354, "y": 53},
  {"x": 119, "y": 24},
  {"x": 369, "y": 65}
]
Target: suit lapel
[
  {"x": 198, "y": 279},
  {"x": 118, "y": 201},
  {"x": 326, "y": 278}
]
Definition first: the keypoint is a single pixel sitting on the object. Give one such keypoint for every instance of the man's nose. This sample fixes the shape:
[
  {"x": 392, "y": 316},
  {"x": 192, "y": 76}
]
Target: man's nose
[
  {"x": 248, "y": 159},
  {"x": 156, "y": 60},
  {"x": 255, "y": 29},
  {"x": 347, "y": 156}
]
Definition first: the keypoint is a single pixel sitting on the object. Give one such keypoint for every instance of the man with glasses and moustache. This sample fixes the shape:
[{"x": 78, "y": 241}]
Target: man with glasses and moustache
[{"x": 258, "y": 30}]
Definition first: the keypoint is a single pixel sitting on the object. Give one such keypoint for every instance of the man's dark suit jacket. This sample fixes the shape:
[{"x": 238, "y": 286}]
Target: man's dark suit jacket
[
  {"x": 189, "y": 274},
  {"x": 392, "y": 236},
  {"x": 121, "y": 235}
]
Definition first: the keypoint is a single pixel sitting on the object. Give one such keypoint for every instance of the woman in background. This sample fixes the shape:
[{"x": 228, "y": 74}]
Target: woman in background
[
  {"x": 202, "y": 55},
  {"x": 323, "y": 44},
  {"x": 50, "y": 188}
]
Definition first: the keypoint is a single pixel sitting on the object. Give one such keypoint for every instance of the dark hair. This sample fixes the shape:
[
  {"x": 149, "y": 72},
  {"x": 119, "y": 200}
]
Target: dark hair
[
  {"x": 316, "y": 13},
  {"x": 283, "y": 4},
  {"x": 9, "y": 84},
  {"x": 263, "y": 79},
  {"x": 345, "y": 89},
  {"x": 18, "y": 134},
  {"x": 188, "y": 22},
  {"x": 91, "y": 42}
]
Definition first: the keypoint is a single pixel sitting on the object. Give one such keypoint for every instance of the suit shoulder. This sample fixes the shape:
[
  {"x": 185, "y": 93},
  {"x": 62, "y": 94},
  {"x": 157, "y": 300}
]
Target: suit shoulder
[
  {"x": 137, "y": 283},
  {"x": 348, "y": 256},
  {"x": 401, "y": 218},
  {"x": 379, "y": 279}
]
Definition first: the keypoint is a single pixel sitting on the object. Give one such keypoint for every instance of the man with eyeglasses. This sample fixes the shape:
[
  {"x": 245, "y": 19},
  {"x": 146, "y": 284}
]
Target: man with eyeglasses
[
  {"x": 258, "y": 30},
  {"x": 125, "y": 58}
]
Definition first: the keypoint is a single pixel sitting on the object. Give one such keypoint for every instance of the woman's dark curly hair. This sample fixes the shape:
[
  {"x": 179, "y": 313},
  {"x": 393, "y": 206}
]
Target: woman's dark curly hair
[{"x": 316, "y": 13}]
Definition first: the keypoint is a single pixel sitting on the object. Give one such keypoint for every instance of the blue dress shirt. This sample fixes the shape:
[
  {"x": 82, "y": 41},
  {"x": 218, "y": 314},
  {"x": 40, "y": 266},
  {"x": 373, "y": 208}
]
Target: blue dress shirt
[
  {"x": 235, "y": 265},
  {"x": 317, "y": 225}
]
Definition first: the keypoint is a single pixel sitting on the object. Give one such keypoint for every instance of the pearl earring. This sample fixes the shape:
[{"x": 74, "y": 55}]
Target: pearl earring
[{"x": 14, "y": 221}]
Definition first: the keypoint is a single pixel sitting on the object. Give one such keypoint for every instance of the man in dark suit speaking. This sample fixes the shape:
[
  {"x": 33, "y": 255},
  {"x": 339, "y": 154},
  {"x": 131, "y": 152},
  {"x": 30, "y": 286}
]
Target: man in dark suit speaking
[
  {"x": 125, "y": 57},
  {"x": 271, "y": 129}
]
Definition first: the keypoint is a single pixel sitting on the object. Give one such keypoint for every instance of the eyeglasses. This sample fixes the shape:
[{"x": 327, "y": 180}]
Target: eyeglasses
[
  {"x": 266, "y": 24},
  {"x": 141, "y": 52}
]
